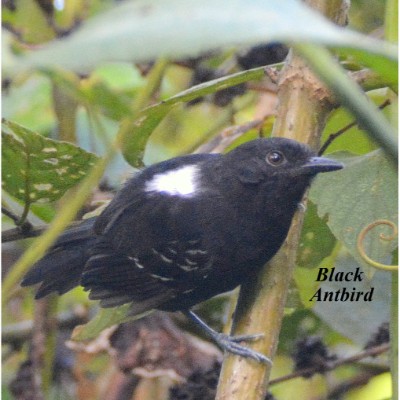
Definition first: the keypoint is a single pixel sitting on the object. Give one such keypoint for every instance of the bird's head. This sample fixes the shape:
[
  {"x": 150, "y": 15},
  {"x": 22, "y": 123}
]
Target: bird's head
[{"x": 278, "y": 159}]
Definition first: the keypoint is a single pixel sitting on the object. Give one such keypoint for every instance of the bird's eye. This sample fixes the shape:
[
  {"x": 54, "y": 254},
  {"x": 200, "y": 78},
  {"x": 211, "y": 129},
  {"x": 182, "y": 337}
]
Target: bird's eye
[{"x": 275, "y": 158}]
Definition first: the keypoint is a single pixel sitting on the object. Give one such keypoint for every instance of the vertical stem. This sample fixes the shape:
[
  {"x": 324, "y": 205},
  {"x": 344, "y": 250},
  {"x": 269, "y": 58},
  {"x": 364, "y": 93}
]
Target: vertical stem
[
  {"x": 391, "y": 21},
  {"x": 391, "y": 34},
  {"x": 49, "y": 342},
  {"x": 303, "y": 109},
  {"x": 394, "y": 335},
  {"x": 351, "y": 97}
]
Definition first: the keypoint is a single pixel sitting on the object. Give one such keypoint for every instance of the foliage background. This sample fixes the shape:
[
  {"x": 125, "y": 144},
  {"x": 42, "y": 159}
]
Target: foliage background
[{"x": 69, "y": 91}]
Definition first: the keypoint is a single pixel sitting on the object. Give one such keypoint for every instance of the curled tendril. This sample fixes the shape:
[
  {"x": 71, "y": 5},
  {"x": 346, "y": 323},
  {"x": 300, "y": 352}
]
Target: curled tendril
[{"x": 361, "y": 237}]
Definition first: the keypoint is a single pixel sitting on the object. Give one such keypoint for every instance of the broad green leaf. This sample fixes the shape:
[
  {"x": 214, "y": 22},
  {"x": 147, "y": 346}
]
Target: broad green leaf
[
  {"x": 29, "y": 21},
  {"x": 347, "y": 92},
  {"x": 149, "y": 118},
  {"x": 46, "y": 212},
  {"x": 113, "y": 104},
  {"x": 378, "y": 387},
  {"x": 295, "y": 325},
  {"x": 30, "y": 104},
  {"x": 354, "y": 140},
  {"x": 316, "y": 241},
  {"x": 92, "y": 93},
  {"x": 306, "y": 285},
  {"x": 357, "y": 320},
  {"x": 38, "y": 169},
  {"x": 140, "y": 130},
  {"x": 304, "y": 278},
  {"x": 119, "y": 76},
  {"x": 363, "y": 192},
  {"x": 148, "y": 29},
  {"x": 385, "y": 67},
  {"x": 105, "y": 318}
]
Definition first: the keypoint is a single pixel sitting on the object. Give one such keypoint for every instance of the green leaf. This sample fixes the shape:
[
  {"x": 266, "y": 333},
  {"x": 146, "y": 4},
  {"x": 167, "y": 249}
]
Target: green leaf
[
  {"x": 354, "y": 140},
  {"x": 139, "y": 132},
  {"x": 30, "y": 104},
  {"x": 385, "y": 67},
  {"x": 353, "y": 198},
  {"x": 38, "y": 169},
  {"x": 148, "y": 29},
  {"x": 92, "y": 93},
  {"x": 105, "y": 318},
  {"x": 316, "y": 241},
  {"x": 29, "y": 21},
  {"x": 113, "y": 104},
  {"x": 357, "y": 320},
  {"x": 149, "y": 118},
  {"x": 349, "y": 94}
]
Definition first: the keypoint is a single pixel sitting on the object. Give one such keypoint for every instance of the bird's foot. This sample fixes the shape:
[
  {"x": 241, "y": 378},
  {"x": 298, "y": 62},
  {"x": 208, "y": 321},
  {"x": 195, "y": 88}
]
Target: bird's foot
[{"x": 231, "y": 345}]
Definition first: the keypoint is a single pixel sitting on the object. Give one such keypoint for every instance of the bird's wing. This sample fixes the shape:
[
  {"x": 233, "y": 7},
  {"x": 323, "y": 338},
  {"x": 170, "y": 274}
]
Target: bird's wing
[
  {"x": 115, "y": 279},
  {"x": 131, "y": 195},
  {"x": 151, "y": 255},
  {"x": 153, "y": 249}
]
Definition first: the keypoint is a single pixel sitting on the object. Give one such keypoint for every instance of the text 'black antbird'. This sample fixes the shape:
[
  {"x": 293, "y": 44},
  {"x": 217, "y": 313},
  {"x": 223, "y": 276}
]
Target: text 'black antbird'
[{"x": 185, "y": 230}]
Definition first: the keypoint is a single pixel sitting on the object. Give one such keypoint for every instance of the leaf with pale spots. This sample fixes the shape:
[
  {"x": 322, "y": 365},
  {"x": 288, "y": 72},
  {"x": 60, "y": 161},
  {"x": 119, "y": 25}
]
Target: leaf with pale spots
[
  {"x": 36, "y": 169},
  {"x": 363, "y": 192}
]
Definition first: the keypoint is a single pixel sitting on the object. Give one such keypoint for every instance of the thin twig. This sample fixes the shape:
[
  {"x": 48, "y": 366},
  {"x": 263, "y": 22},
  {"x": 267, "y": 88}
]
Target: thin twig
[
  {"x": 229, "y": 135},
  {"x": 23, "y": 229},
  {"x": 10, "y": 215},
  {"x": 333, "y": 136},
  {"x": 19, "y": 332},
  {"x": 14, "y": 234},
  {"x": 11, "y": 235},
  {"x": 330, "y": 365}
]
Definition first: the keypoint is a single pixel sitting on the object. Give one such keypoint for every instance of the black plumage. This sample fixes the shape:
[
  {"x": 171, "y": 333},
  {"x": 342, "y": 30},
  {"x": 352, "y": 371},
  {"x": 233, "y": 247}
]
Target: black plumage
[{"x": 186, "y": 229}]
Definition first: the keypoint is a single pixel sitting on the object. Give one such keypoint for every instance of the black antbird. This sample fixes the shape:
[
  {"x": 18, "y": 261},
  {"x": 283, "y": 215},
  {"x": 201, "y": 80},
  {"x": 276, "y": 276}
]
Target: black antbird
[{"x": 185, "y": 230}]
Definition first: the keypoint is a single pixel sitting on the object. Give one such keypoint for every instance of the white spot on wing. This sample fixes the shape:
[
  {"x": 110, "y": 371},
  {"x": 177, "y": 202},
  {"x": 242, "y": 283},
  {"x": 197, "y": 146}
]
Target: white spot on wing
[
  {"x": 189, "y": 262},
  {"x": 161, "y": 278},
  {"x": 187, "y": 268},
  {"x": 178, "y": 182},
  {"x": 165, "y": 259},
  {"x": 136, "y": 261},
  {"x": 194, "y": 252}
]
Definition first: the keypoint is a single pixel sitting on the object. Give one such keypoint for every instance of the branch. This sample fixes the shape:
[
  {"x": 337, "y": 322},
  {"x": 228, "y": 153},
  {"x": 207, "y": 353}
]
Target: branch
[
  {"x": 222, "y": 141},
  {"x": 11, "y": 235},
  {"x": 22, "y": 223},
  {"x": 331, "y": 365},
  {"x": 340, "y": 132},
  {"x": 351, "y": 96},
  {"x": 304, "y": 105},
  {"x": 16, "y": 334}
]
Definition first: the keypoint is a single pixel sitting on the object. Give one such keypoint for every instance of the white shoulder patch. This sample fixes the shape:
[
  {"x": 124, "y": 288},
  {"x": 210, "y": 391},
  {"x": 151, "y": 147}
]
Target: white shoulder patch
[{"x": 182, "y": 181}]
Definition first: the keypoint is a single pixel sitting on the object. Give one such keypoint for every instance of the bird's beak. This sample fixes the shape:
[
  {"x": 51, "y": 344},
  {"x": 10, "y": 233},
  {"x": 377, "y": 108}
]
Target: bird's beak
[{"x": 316, "y": 165}]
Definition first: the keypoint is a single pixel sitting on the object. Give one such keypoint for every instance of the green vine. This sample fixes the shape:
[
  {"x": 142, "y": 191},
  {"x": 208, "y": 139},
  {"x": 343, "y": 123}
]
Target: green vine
[{"x": 361, "y": 237}]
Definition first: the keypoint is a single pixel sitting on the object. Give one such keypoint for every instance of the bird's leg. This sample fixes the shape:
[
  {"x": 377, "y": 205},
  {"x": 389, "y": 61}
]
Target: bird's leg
[{"x": 230, "y": 343}]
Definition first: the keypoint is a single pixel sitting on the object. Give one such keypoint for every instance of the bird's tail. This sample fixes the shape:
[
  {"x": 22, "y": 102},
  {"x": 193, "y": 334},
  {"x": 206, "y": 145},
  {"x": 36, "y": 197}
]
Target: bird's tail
[{"x": 61, "y": 268}]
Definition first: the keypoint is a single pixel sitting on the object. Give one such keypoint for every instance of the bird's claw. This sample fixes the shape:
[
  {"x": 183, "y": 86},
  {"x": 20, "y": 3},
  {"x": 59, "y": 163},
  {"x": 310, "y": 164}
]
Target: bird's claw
[
  {"x": 230, "y": 344},
  {"x": 245, "y": 338}
]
